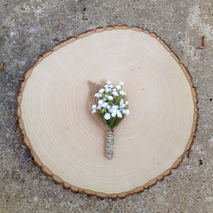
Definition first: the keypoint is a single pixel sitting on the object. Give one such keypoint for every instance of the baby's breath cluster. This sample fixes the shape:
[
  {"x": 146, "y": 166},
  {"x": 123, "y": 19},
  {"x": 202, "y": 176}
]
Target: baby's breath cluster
[{"x": 111, "y": 104}]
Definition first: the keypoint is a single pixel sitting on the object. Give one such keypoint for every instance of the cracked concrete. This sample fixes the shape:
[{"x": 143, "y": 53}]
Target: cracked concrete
[{"x": 28, "y": 28}]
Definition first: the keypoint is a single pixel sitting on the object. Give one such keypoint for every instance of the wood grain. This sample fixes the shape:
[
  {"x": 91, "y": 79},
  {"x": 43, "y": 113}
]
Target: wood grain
[{"x": 68, "y": 145}]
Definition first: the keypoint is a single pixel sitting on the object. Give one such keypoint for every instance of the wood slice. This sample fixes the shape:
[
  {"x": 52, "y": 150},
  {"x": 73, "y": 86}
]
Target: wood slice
[{"x": 69, "y": 144}]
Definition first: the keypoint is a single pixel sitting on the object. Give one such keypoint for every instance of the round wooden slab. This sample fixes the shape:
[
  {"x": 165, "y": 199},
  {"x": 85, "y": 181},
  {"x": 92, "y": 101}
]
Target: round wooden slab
[{"x": 68, "y": 143}]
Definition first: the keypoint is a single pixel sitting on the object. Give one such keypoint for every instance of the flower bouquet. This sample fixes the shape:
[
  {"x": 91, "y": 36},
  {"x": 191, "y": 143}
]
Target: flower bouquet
[{"x": 109, "y": 104}]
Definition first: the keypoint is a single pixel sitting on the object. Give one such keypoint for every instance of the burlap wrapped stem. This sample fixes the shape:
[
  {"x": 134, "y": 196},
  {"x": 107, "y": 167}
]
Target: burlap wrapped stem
[
  {"x": 108, "y": 127},
  {"x": 68, "y": 144}
]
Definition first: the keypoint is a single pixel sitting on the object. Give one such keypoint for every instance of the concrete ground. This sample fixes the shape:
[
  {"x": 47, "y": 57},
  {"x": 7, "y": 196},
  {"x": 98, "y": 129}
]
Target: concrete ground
[{"x": 28, "y": 28}]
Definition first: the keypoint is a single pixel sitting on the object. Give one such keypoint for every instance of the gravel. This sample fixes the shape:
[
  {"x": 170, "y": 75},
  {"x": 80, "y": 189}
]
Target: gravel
[{"x": 28, "y": 28}]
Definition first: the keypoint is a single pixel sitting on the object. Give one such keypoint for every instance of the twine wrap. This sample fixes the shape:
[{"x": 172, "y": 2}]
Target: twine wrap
[{"x": 109, "y": 142}]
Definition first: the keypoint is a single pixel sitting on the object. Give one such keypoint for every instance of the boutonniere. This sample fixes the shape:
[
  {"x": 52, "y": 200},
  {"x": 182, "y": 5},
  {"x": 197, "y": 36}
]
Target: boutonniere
[{"x": 109, "y": 104}]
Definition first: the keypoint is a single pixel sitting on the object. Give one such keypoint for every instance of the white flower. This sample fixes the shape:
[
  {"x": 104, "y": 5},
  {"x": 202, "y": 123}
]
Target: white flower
[
  {"x": 127, "y": 112},
  {"x": 106, "y": 96},
  {"x": 105, "y": 104},
  {"x": 118, "y": 87},
  {"x": 113, "y": 114},
  {"x": 110, "y": 86},
  {"x": 119, "y": 114},
  {"x": 122, "y": 106},
  {"x": 123, "y": 111},
  {"x": 108, "y": 82},
  {"x": 96, "y": 95},
  {"x": 108, "y": 89},
  {"x": 113, "y": 110},
  {"x": 108, "y": 107},
  {"x": 114, "y": 93},
  {"x": 110, "y": 97},
  {"x": 101, "y": 91},
  {"x": 122, "y": 93},
  {"x": 100, "y": 102},
  {"x": 115, "y": 107},
  {"x": 107, "y": 116},
  {"x": 93, "y": 111}
]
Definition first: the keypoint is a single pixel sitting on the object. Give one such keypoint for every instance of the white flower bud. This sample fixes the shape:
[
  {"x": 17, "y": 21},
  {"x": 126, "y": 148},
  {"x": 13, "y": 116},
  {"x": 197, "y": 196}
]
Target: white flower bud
[
  {"x": 124, "y": 111},
  {"x": 100, "y": 102},
  {"x": 115, "y": 107},
  {"x": 93, "y": 111},
  {"x": 127, "y": 112},
  {"x": 105, "y": 104},
  {"x": 122, "y": 106},
  {"x": 110, "y": 86},
  {"x": 108, "y": 107},
  {"x": 107, "y": 116},
  {"x": 113, "y": 114},
  {"x": 119, "y": 114},
  {"x": 121, "y": 101},
  {"x": 110, "y": 97},
  {"x": 101, "y": 91},
  {"x": 108, "y": 90},
  {"x": 108, "y": 82},
  {"x": 96, "y": 95},
  {"x": 115, "y": 93},
  {"x": 122, "y": 93},
  {"x": 118, "y": 87}
]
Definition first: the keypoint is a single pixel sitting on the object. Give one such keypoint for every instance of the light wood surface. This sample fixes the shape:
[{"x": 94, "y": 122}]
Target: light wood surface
[{"x": 69, "y": 145}]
